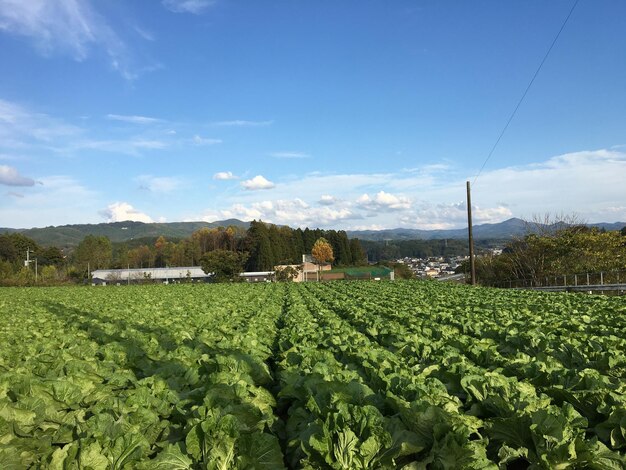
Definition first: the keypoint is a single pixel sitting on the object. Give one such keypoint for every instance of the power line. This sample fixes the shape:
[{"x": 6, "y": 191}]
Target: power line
[{"x": 506, "y": 126}]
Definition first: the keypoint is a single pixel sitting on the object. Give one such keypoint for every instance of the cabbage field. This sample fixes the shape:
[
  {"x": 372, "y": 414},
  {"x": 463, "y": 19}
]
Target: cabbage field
[{"x": 339, "y": 375}]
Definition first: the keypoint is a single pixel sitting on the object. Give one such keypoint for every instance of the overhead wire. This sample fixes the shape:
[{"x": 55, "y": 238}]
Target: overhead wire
[{"x": 530, "y": 84}]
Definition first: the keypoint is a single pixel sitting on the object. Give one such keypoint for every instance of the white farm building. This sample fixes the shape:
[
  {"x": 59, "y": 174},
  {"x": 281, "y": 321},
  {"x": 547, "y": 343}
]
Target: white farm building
[{"x": 178, "y": 274}]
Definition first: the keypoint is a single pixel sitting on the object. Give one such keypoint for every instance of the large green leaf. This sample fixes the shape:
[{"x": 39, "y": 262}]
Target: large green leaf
[
  {"x": 259, "y": 451},
  {"x": 171, "y": 458},
  {"x": 125, "y": 449}
]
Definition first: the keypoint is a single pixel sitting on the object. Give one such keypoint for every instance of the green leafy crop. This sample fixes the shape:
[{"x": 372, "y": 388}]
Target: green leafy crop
[{"x": 346, "y": 375}]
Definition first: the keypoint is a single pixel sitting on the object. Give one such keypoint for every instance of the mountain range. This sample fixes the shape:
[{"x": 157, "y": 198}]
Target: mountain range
[
  {"x": 501, "y": 231},
  {"x": 68, "y": 236}
]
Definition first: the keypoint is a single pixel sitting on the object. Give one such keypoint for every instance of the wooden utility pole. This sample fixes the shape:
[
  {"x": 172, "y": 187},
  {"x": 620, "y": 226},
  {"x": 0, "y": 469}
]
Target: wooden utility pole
[{"x": 471, "y": 236}]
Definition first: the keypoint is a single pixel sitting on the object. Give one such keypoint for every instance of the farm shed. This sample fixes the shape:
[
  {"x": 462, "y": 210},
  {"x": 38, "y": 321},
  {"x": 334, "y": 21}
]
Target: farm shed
[
  {"x": 178, "y": 274},
  {"x": 258, "y": 276}
]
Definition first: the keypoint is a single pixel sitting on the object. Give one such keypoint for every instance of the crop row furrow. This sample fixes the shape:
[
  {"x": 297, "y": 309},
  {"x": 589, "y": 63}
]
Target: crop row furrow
[
  {"x": 342, "y": 410},
  {"x": 488, "y": 393}
]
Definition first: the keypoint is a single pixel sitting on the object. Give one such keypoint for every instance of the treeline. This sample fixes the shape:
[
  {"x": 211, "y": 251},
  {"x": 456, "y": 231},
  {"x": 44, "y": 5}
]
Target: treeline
[
  {"x": 262, "y": 245},
  {"x": 550, "y": 252},
  {"x": 47, "y": 263}
]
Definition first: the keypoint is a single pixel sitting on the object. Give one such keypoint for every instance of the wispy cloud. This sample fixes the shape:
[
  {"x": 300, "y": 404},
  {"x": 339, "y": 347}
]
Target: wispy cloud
[
  {"x": 197, "y": 140},
  {"x": 14, "y": 194},
  {"x": 243, "y": 123},
  {"x": 145, "y": 34},
  {"x": 58, "y": 200},
  {"x": 67, "y": 27},
  {"x": 9, "y": 176},
  {"x": 123, "y": 211},
  {"x": 132, "y": 146},
  {"x": 148, "y": 144},
  {"x": 257, "y": 183},
  {"x": 224, "y": 175},
  {"x": 133, "y": 119},
  {"x": 159, "y": 184},
  {"x": 24, "y": 131},
  {"x": 19, "y": 126},
  {"x": 195, "y": 7},
  {"x": 289, "y": 155},
  {"x": 7, "y": 157}
]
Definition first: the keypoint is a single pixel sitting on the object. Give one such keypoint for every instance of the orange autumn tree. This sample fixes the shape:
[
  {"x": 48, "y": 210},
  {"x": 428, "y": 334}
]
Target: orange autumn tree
[{"x": 322, "y": 252}]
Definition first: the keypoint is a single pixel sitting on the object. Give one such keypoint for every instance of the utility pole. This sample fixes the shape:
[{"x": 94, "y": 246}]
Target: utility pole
[
  {"x": 28, "y": 261},
  {"x": 470, "y": 235}
]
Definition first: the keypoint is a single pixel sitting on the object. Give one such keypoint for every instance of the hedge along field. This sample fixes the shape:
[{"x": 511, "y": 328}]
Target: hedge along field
[{"x": 343, "y": 375}]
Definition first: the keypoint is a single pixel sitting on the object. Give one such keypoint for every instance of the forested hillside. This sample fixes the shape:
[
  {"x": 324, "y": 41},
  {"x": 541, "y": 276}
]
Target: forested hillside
[{"x": 262, "y": 246}]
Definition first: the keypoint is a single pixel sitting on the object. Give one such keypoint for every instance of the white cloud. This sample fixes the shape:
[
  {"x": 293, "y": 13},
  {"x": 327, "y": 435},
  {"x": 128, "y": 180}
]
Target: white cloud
[
  {"x": 159, "y": 184},
  {"x": 14, "y": 194},
  {"x": 439, "y": 216},
  {"x": 68, "y": 27},
  {"x": 327, "y": 200},
  {"x": 293, "y": 212},
  {"x": 224, "y": 175},
  {"x": 133, "y": 119},
  {"x": 195, "y": 7},
  {"x": 384, "y": 201},
  {"x": 123, "y": 211},
  {"x": 204, "y": 141},
  {"x": 588, "y": 183},
  {"x": 256, "y": 183},
  {"x": 9, "y": 176},
  {"x": 289, "y": 155},
  {"x": 243, "y": 123}
]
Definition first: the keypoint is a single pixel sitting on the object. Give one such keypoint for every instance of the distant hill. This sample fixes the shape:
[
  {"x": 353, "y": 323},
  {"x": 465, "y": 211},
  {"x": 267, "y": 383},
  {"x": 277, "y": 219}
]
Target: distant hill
[
  {"x": 68, "y": 236},
  {"x": 501, "y": 231}
]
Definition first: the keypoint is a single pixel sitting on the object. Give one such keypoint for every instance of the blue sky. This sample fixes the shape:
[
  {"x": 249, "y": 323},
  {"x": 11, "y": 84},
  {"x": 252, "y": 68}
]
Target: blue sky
[{"x": 352, "y": 114}]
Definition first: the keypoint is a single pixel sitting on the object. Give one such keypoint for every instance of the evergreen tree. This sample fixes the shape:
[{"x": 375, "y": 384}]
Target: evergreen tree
[
  {"x": 308, "y": 239},
  {"x": 259, "y": 247},
  {"x": 278, "y": 244},
  {"x": 357, "y": 253},
  {"x": 298, "y": 245},
  {"x": 343, "y": 255}
]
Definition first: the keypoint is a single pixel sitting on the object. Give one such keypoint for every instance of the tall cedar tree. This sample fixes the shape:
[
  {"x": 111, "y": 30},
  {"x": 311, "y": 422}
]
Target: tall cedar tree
[{"x": 259, "y": 246}]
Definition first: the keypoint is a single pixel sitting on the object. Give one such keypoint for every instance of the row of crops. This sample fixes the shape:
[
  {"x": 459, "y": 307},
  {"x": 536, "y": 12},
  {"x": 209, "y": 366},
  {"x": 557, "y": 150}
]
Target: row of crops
[{"x": 347, "y": 375}]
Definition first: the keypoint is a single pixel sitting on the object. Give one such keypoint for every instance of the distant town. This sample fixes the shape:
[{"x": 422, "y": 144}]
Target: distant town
[{"x": 438, "y": 266}]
